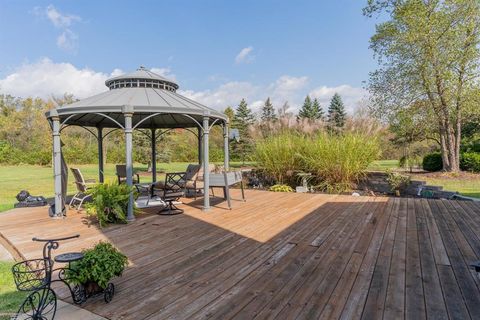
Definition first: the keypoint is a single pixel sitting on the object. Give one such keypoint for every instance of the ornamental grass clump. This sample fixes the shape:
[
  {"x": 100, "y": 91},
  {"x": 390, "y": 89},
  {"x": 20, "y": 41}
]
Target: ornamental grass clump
[
  {"x": 339, "y": 161},
  {"x": 336, "y": 161},
  {"x": 279, "y": 157}
]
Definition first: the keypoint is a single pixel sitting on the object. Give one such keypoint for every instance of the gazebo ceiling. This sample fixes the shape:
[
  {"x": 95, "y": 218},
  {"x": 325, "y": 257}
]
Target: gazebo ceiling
[{"x": 143, "y": 92}]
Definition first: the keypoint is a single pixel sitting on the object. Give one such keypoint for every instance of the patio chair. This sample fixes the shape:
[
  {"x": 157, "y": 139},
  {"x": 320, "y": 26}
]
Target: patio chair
[
  {"x": 121, "y": 172},
  {"x": 195, "y": 182},
  {"x": 82, "y": 186},
  {"x": 170, "y": 192}
]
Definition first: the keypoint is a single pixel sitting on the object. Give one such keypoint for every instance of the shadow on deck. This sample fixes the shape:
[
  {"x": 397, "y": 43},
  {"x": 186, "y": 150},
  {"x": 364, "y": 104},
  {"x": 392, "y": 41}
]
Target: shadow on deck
[{"x": 283, "y": 256}]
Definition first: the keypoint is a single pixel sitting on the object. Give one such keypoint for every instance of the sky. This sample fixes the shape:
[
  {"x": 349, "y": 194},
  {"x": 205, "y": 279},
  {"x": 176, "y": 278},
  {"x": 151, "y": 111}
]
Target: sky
[{"x": 217, "y": 51}]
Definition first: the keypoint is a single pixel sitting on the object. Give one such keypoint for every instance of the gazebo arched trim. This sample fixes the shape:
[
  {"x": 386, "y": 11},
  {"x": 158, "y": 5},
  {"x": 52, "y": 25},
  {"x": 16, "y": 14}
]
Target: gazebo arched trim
[
  {"x": 110, "y": 118},
  {"x": 211, "y": 126},
  {"x": 66, "y": 120},
  {"x": 146, "y": 118}
]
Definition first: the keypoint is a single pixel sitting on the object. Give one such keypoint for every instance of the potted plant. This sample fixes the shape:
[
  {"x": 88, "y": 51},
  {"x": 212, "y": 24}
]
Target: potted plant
[
  {"x": 98, "y": 266},
  {"x": 397, "y": 182},
  {"x": 110, "y": 203}
]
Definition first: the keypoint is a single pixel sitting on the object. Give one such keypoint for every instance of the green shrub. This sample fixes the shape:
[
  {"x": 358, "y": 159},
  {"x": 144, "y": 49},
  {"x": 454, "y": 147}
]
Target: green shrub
[
  {"x": 397, "y": 181},
  {"x": 109, "y": 203},
  {"x": 281, "y": 188},
  {"x": 99, "y": 265},
  {"x": 432, "y": 162},
  {"x": 278, "y": 155},
  {"x": 470, "y": 161},
  {"x": 338, "y": 161}
]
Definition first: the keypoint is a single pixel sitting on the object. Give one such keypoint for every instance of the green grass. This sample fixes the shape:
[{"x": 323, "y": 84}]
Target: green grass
[
  {"x": 39, "y": 180},
  {"x": 466, "y": 187},
  {"x": 10, "y": 298},
  {"x": 383, "y": 165}
]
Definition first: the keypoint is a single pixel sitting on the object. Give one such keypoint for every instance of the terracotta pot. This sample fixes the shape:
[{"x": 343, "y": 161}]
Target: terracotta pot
[{"x": 92, "y": 288}]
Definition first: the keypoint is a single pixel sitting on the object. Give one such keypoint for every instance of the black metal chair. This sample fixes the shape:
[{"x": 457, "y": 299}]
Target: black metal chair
[{"x": 170, "y": 192}]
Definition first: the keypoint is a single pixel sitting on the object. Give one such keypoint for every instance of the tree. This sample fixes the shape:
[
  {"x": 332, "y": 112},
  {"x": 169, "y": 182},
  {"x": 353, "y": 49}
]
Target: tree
[
  {"x": 427, "y": 51},
  {"x": 242, "y": 120},
  {"x": 268, "y": 112},
  {"x": 309, "y": 110},
  {"x": 336, "y": 112},
  {"x": 317, "y": 109},
  {"x": 230, "y": 113},
  {"x": 243, "y": 117}
]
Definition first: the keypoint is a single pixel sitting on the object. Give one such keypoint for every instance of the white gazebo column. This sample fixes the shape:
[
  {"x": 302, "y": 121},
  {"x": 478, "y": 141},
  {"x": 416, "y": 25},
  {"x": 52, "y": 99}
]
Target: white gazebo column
[
  {"x": 153, "y": 137},
  {"x": 206, "y": 174},
  {"x": 100, "y": 154},
  {"x": 199, "y": 139},
  {"x": 128, "y": 114},
  {"x": 226, "y": 153},
  {"x": 57, "y": 166}
]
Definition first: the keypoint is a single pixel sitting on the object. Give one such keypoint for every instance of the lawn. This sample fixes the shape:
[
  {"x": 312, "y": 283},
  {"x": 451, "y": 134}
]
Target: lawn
[
  {"x": 10, "y": 298},
  {"x": 469, "y": 187},
  {"x": 382, "y": 165},
  {"x": 466, "y": 184},
  {"x": 38, "y": 180}
]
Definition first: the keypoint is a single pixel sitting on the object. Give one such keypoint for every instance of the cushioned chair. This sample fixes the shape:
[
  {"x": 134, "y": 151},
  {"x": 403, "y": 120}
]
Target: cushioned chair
[
  {"x": 121, "y": 172},
  {"x": 82, "y": 186},
  {"x": 195, "y": 183}
]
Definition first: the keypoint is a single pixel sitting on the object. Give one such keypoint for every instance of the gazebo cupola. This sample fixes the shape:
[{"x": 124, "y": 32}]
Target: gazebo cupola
[
  {"x": 142, "y": 78},
  {"x": 137, "y": 100}
]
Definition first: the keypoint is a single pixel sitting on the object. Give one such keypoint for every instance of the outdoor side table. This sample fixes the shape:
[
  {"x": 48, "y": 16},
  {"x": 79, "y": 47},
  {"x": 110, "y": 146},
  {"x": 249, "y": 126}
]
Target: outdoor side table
[{"x": 68, "y": 257}]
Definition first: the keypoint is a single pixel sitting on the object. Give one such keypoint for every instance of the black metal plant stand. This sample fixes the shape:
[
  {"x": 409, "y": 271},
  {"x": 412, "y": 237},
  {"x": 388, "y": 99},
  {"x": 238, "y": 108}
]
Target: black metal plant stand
[{"x": 36, "y": 275}]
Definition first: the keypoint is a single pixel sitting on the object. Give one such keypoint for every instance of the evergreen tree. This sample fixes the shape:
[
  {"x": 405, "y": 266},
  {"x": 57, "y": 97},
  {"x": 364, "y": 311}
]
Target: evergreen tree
[
  {"x": 309, "y": 110},
  {"x": 243, "y": 117},
  {"x": 268, "y": 112},
  {"x": 336, "y": 112},
  {"x": 242, "y": 120},
  {"x": 317, "y": 110},
  {"x": 306, "y": 110}
]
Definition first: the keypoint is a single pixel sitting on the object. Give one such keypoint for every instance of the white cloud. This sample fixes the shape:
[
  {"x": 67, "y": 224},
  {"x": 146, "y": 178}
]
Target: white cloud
[
  {"x": 285, "y": 88},
  {"x": 350, "y": 95},
  {"x": 45, "y": 78},
  {"x": 58, "y": 19},
  {"x": 229, "y": 94},
  {"x": 68, "y": 41},
  {"x": 244, "y": 56},
  {"x": 164, "y": 72}
]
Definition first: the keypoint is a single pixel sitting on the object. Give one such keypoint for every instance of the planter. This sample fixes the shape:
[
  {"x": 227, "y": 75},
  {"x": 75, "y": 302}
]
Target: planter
[{"x": 92, "y": 288}]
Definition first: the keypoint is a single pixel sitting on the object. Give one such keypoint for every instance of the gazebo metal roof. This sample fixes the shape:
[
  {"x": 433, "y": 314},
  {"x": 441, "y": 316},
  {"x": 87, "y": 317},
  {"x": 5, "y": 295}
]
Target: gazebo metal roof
[{"x": 145, "y": 93}]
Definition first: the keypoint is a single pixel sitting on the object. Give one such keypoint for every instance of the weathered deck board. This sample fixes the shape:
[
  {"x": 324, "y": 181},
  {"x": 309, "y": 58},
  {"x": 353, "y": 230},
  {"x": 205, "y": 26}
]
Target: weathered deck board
[{"x": 282, "y": 256}]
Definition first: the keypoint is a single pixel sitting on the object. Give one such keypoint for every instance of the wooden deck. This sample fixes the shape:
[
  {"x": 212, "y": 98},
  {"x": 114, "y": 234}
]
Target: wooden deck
[{"x": 283, "y": 256}]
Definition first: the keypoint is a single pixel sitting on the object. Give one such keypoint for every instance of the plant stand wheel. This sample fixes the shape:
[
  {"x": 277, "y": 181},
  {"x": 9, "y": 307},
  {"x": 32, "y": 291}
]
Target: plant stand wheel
[
  {"x": 40, "y": 304},
  {"x": 109, "y": 292}
]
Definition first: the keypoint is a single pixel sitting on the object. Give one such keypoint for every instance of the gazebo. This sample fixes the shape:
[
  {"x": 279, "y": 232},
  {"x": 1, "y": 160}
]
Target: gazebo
[{"x": 138, "y": 100}]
